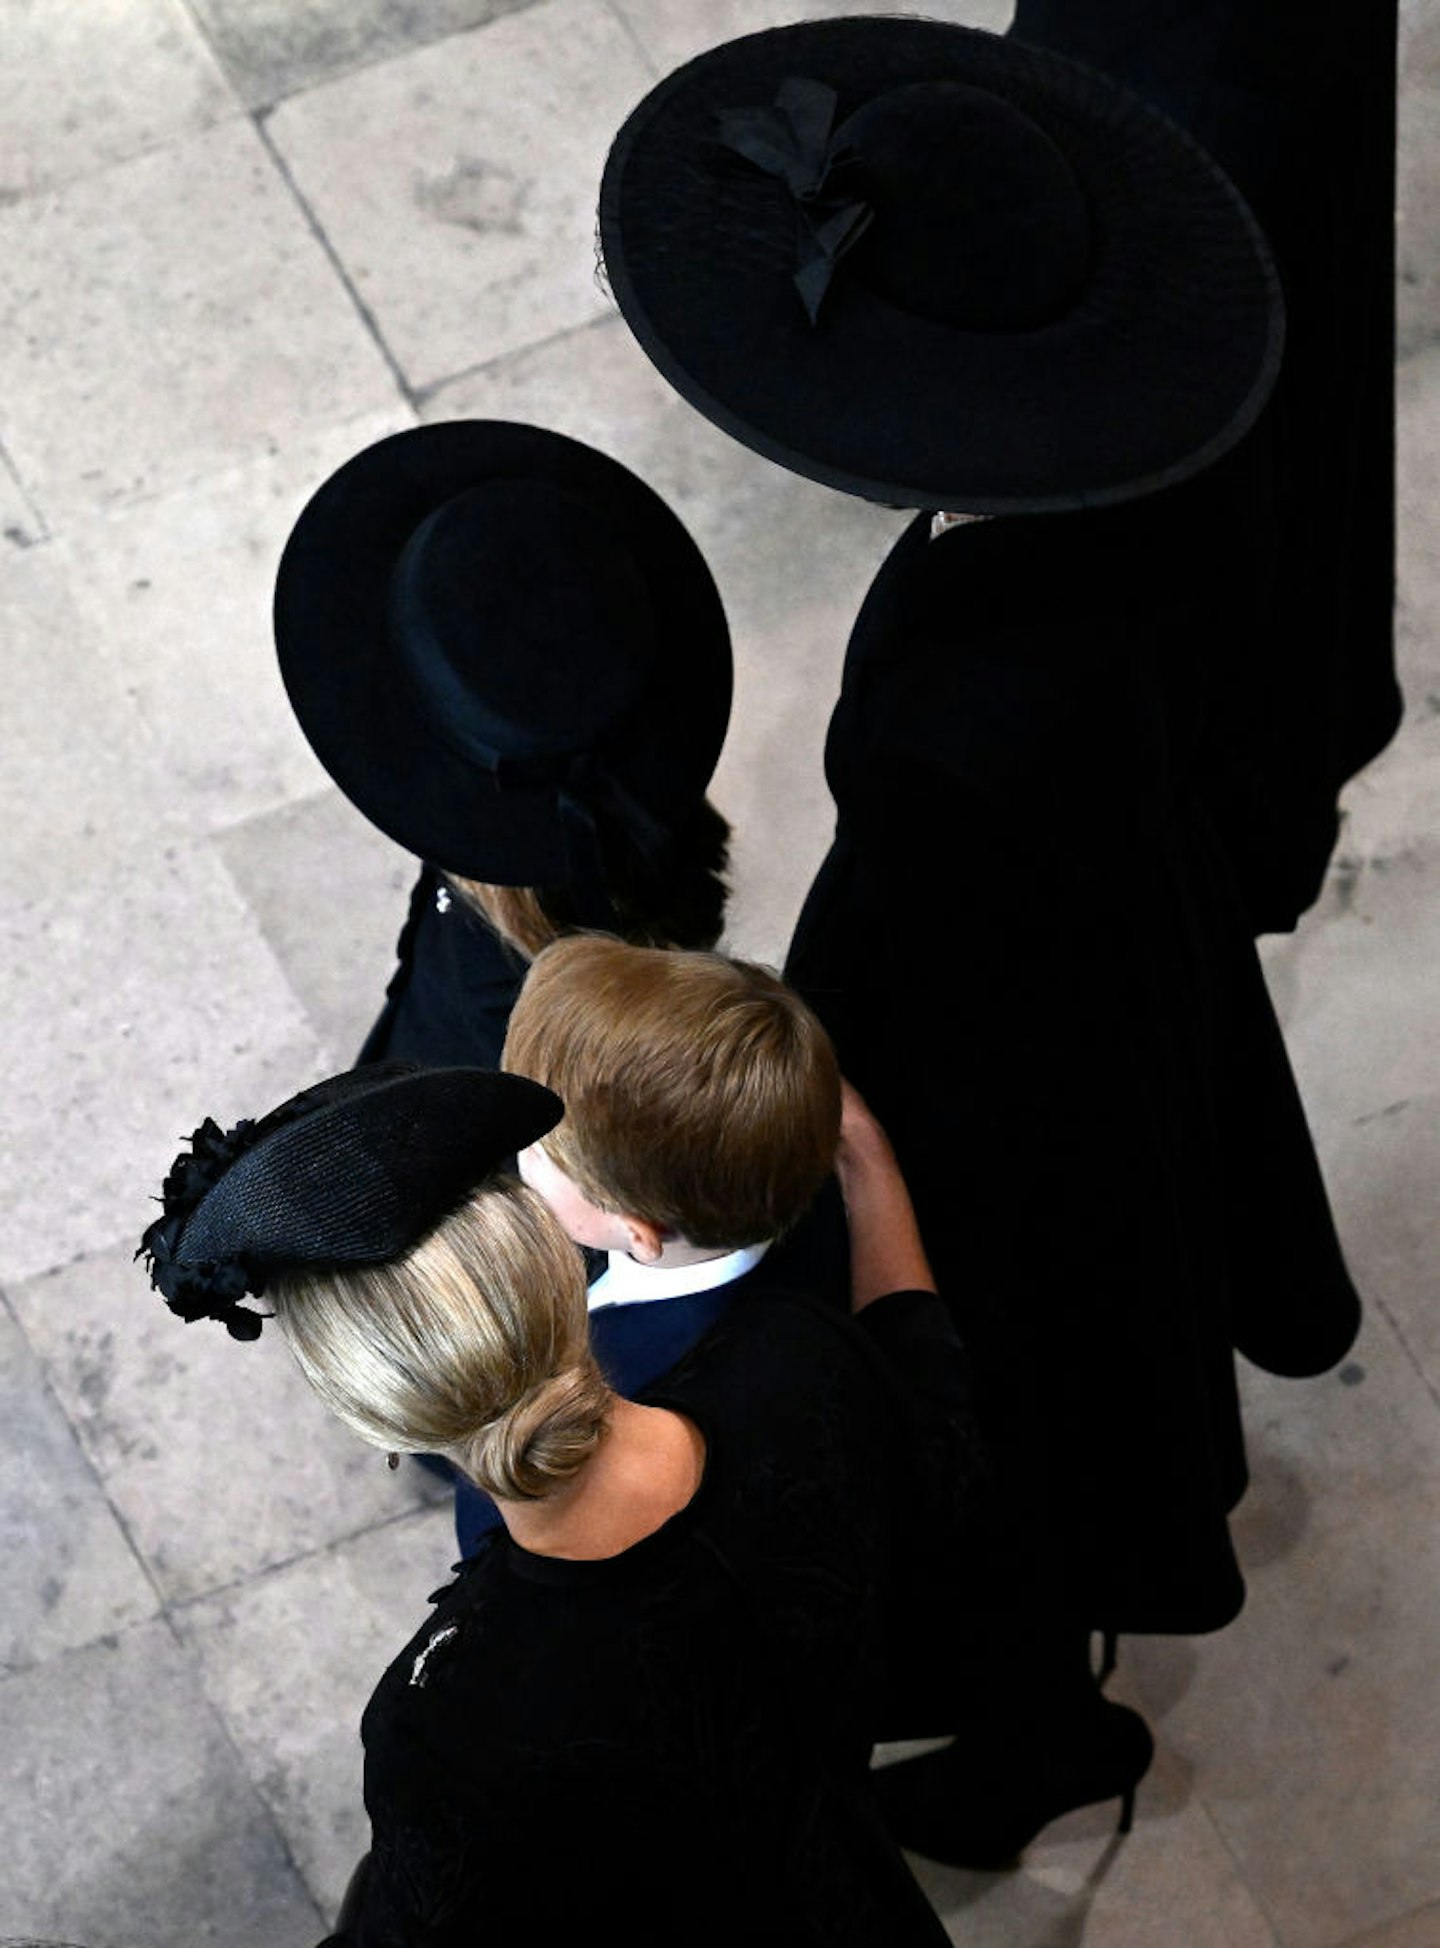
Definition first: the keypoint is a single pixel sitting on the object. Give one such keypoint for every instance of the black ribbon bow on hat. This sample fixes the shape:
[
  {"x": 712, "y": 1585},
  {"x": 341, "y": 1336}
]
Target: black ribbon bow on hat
[{"x": 792, "y": 140}]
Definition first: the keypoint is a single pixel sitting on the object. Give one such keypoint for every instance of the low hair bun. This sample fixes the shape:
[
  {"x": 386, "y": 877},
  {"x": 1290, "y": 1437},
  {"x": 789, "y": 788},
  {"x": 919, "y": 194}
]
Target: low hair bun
[{"x": 544, "y": 1438}]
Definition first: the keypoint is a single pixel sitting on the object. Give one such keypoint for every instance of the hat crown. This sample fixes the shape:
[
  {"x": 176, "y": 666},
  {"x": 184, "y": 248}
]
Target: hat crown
[
  {"x": 980, "y": 222},
  {"x": 352, "y": 1171},
  {"x": 522, "y": 626}
]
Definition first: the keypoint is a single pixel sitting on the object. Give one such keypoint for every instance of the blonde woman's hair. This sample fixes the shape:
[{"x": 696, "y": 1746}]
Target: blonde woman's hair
[
  {"x": 700, "y": 1092},
  {"x": 473, "y": 1345}
]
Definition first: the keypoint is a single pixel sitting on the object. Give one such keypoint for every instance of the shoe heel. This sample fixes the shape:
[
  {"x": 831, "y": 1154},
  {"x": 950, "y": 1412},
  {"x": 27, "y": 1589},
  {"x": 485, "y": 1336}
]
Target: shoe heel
[
  {"x": 1109, "y": 1654},
  {"x": 1127, "y": 1810}
]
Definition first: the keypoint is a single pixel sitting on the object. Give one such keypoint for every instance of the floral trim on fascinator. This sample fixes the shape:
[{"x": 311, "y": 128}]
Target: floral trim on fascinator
[{"x": 208, "y": 1290}]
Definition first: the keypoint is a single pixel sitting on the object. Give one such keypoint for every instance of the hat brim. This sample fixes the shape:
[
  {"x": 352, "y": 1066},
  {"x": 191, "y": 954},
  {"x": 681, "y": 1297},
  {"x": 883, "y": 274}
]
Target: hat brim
[
  {"x": 355, "y": 706},
  {"x": 1160, "y": 366}
]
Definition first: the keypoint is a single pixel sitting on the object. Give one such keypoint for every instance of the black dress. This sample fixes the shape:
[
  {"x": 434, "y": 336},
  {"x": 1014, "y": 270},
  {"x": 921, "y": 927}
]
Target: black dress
[
  {"x": 448, "y": 1002},
  {"x": 1032, "y": 953},
  {"x": 671, "y": 1744},
  {"x": 1296, "y": 101}
]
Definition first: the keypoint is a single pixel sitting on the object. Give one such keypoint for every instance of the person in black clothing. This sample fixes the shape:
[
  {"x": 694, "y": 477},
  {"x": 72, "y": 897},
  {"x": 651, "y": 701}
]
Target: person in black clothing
[
  {"x": 510, "y": 655},
  {"x": 656, "y": 1687},
  {"x": 1303, "y": 689},
  {"x": 699, "y": 1095},
  {"x": 944, "y": 270},
  {"x": 712, "y": 1093}
]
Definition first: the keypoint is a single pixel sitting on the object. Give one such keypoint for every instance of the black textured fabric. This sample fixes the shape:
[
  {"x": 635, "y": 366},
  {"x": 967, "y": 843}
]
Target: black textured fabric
[
  {"x": 378, "y": 637},
  {"x": 455, "y": 982},
  {"x": 1297, "y": 103},
  {"x": 1080, "y": 1068},
  {"x": 1159, "y": 363},
  {"x": 364, "y": 1170},
  {"x": 680, "y": 1732}
]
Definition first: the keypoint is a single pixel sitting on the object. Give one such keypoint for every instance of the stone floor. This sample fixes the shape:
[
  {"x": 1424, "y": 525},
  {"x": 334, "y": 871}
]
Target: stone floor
[{"x": 239, "y": 239}]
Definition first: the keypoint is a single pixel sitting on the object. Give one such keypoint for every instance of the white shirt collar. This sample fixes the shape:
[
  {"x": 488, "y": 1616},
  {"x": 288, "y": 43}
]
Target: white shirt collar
[{"x": 624, "y": 1282}]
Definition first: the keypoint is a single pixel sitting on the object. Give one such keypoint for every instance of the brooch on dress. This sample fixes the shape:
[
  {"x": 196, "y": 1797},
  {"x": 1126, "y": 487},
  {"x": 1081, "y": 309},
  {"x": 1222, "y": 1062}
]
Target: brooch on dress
[{"x": 418, "y": 1672}]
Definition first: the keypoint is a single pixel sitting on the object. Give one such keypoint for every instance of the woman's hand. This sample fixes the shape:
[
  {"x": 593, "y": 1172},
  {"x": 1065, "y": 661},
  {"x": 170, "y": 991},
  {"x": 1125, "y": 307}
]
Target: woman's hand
[{"x": 886, "y": 1251}]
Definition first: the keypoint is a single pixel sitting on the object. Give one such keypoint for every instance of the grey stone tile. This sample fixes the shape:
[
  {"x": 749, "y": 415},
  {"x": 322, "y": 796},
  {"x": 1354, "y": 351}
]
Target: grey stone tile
[
  {"x": 140, "y": 997},
  {"x": 1355, "y": 983},
  {"x": 1417, "y": 188},
  {"x": 330, "y": 894},
  {"x": 468, "y": 230},
  {"x": 218, "y": 1455},
  {"x": 177, "y": 592},
  {"x": 139, "y": 1828},
  {"x": 671, "y": 31},
  {"x": 79, "y": 763},
  {"x": 70, "y": 1574},
  {"x": 1420, "y": 1929},
  {"x": 1417, "y": 488},
  {"x": 290, "y": 1660},
  {"x": 1382, "y": 1170},
  {"x": 272, "y": 48},
  {"x": 167, "y": 318},
  {"x": 1079, "y": 1882},
  {"x": 792, "y": 560},
  {"x": 86, "y": 86},
  {"x": 20, "y": 522},
  {"x": 1313, "y": 1723}
]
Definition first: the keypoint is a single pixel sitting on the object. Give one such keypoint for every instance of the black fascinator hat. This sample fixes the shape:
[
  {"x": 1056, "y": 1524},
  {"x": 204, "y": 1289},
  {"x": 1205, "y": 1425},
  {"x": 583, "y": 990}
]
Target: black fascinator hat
[
  {"x": 505, "y": 649},
  {"x": 350, "y": 1172},
  {"x": 937, "y": 268}
]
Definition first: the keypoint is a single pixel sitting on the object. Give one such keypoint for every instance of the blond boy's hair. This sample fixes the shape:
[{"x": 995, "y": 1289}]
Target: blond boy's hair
[{"x": 700, "y": 1093}]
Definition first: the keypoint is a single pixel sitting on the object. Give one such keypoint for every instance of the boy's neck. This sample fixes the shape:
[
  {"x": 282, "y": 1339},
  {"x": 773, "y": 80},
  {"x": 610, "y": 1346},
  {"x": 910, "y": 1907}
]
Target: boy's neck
[{"x": 679, "y": 1251}]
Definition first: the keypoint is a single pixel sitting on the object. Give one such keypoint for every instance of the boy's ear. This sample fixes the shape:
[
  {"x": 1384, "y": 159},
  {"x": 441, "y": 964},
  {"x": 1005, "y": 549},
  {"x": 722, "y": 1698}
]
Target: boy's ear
[{"x": 646, "y": 1240}]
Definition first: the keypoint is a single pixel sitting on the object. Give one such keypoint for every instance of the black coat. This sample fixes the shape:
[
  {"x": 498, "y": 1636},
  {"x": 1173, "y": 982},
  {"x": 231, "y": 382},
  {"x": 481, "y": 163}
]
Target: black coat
[
  {"x": 448, "y": 1002},
  {"x": 1030, "y": 948},
  {"x": 1296, "y": 100}
]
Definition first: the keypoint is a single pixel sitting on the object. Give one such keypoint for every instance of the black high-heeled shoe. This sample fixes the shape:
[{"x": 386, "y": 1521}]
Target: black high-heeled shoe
[{"x": 969, "y": 1809}]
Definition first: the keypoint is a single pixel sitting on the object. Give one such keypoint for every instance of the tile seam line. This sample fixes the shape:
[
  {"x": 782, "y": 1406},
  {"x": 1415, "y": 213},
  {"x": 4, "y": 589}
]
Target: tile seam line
[
  {"x": 163, "y": 1616},
  {"x": 157, "y": 145},
  {"x": 631, "y": 33},
  {"x": 221, "y": 1726},
  {"x": 211, "y": 845},
  {"x": 182, "y": 1605},
  {"x": 1383, "y": 1308},
  {"x": 302, "y": 801},
  {"x": 361, "y": 64},
  {"x": 1237, "y": 1868},
  {"x": 425, "y": 394},
  {"x": 1368, "y": 1934},
  {"x": 258, "y": 121},
  {"x": 270, "y": 1814},
  {"x": 32, "y": 507},
  {"x": 50, "y": 1394}
]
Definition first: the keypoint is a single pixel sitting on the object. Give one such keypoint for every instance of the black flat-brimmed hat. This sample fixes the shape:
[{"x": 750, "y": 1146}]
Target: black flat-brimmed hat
[
  {"x": 934, "y": 267},
  {"x": 350, "y": 1172},
  {"x": 501, "y": 643}
]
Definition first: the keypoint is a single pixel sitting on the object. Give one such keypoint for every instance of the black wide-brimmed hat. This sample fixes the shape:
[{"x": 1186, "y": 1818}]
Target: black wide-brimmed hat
[
  {"x": 934, "y": 267},
  {"x": 501, "y": 643},
  {"x": 350, "y": 1172}
]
